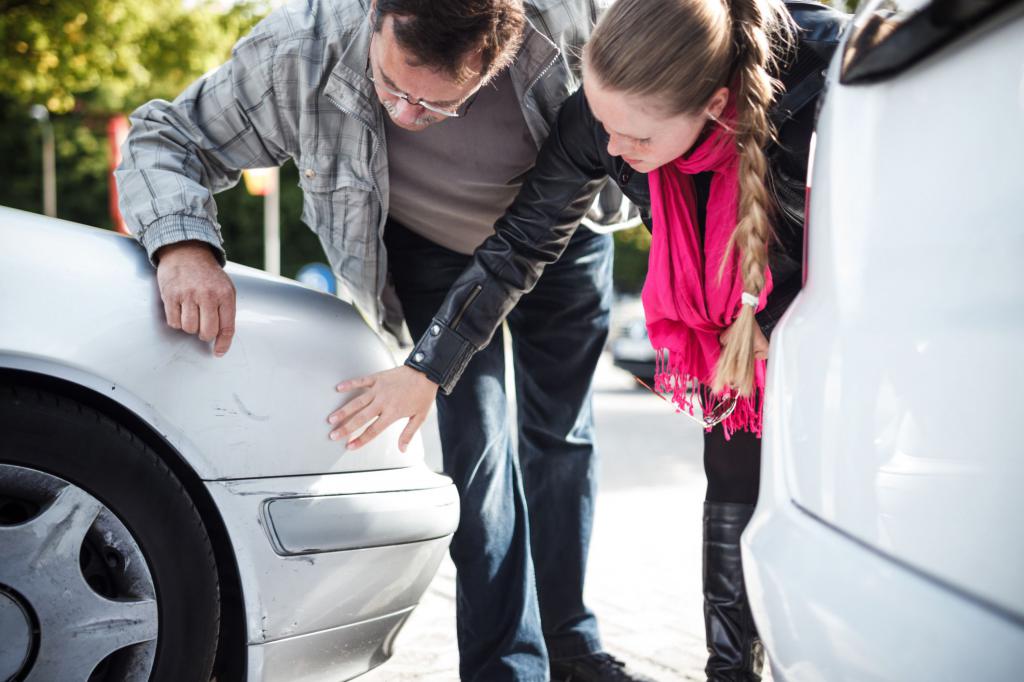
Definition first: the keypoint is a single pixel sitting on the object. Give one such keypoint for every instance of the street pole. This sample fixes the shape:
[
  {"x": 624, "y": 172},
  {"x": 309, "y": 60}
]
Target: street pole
[
  {"x": 266, "y": 183},
  {"x": 42, "y": 115},
  {"x": 272, "y": 225}
]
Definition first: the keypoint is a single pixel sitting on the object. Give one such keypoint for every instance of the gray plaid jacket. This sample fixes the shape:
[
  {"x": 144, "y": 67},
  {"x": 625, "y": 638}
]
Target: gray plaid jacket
[{"x": 296, "y": 88}]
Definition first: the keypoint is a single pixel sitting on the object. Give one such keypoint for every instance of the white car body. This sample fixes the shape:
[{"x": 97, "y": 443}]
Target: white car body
[
  {"x": 331, "y": 549},
  {"x": 886, "y": 543}
]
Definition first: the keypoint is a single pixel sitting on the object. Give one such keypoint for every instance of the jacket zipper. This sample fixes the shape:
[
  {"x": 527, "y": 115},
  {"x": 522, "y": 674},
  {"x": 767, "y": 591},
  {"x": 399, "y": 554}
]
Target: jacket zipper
[
  {"x": 465, "y": 306},
  {"x": 542, "y": 73}
]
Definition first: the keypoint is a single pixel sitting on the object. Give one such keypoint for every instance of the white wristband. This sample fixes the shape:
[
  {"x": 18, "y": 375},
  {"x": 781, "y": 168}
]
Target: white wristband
[{"x": 750, "y": 299}]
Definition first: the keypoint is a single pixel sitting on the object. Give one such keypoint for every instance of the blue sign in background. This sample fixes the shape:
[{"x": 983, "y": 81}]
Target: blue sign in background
[{"x": 318, "y": 276}]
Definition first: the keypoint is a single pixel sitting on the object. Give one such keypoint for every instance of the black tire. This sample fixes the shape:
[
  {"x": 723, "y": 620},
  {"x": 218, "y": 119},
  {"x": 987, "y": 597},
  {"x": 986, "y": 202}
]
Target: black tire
[{"x": 59, "y": 436}]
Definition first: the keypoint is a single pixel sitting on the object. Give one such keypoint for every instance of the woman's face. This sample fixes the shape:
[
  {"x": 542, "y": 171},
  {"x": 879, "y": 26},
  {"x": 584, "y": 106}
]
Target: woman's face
[{"x": 638, "y": 129}]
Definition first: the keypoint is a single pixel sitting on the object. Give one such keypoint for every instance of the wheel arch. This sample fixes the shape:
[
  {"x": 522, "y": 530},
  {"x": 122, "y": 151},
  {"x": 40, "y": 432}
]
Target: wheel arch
[{"x": 231, "y": 647}]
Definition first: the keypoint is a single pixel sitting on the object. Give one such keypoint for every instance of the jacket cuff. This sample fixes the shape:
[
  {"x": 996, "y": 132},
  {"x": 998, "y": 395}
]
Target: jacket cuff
[
  {"x": 442, "y": 354},
  {"x": 180, "y": 228}
]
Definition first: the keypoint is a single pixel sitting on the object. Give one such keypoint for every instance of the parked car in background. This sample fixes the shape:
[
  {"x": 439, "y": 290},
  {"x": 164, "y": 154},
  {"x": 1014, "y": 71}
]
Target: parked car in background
[
  {"x": 165, "y": 513},
  {"x": 886, "y": 544},
  {"x": 631, "y": 347}
]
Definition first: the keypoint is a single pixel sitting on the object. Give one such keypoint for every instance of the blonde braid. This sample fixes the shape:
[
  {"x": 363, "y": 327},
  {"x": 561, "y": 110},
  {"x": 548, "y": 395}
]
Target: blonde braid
[{"x": 761, "y": 29}]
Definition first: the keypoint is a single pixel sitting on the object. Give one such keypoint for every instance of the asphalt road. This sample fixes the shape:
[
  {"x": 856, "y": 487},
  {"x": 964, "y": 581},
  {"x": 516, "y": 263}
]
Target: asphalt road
[{"x": 644, "y": 575}]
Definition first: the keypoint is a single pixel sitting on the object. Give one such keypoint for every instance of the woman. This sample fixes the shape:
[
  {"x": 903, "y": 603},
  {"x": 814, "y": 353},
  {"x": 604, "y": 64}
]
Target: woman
[{"x": 682, "y": 91}]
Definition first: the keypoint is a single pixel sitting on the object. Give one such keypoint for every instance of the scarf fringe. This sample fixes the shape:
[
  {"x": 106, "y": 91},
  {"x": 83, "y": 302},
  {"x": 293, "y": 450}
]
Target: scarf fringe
[{"x": 689, "y": 392}]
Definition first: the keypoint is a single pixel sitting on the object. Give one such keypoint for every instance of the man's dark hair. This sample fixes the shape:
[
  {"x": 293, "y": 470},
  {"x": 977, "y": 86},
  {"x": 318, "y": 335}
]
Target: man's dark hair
[{"x": 441, "y": 34}]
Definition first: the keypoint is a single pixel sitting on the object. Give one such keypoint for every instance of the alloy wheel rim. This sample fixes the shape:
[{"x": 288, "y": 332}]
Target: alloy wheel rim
[{"x": 74, "y": 583}]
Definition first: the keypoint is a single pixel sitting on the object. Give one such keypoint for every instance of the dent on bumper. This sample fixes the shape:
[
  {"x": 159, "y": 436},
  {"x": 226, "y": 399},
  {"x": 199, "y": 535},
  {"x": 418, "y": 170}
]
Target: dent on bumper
[{"x": 327, "y": 656}]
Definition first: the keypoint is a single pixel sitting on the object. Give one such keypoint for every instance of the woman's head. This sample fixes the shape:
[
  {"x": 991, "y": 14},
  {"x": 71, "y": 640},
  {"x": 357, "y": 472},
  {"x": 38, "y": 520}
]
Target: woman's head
[
  {"x": 652, "y": 71},
  {"x": 639, "y": 128},
  {"x": 656, "y": 72}
]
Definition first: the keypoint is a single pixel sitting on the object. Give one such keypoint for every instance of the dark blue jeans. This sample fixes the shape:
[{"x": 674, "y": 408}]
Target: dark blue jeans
[{"x": 521, "y": 547}]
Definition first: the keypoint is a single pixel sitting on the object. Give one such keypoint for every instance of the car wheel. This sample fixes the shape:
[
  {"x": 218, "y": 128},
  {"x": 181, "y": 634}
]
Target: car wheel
[{"x": 107, "y": 571}]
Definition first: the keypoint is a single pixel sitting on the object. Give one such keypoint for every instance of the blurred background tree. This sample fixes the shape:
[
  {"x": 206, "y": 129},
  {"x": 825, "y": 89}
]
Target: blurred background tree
[
  {"x": 630, "y": 268},
  {"x": 109, "y": 56},
  {"x": 88, "y": 60}
]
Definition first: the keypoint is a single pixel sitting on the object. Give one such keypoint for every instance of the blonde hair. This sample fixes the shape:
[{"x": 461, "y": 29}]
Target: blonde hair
[{"x": 680, "y": 52}]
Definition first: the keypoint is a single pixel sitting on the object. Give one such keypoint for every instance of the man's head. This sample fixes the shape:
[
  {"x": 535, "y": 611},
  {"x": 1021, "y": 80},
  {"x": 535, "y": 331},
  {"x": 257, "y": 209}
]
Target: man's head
[{"x": 428, "y": 57}]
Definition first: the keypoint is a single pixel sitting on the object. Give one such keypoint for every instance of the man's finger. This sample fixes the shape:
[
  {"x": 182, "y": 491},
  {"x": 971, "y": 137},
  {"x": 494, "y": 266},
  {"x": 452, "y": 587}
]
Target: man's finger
[
  {"x": 353, "y": 423},
  {"x": 209, "y": 321},
  {"x": 227, "y": 327},
  {"x": 414, "y": 424},
  {"x": 172, "y": 311},
  {"x": 189, "y": 317},
  {"x": 353, "y": 384}
]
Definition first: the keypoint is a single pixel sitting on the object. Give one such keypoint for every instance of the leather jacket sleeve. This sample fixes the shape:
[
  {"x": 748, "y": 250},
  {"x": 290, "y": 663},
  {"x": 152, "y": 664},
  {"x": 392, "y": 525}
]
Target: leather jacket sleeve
[{"x": 533, "y": 232}]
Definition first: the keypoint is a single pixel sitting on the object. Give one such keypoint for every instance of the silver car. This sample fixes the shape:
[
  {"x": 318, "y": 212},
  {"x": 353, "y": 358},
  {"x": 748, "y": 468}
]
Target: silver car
[{"x": 169, "y": 515}]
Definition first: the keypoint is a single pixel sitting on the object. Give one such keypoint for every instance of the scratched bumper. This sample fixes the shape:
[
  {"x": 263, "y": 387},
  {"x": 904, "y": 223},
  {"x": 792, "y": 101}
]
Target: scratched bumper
[
  {"x": 332, "y": 565},
  {"x": 329, "y": 655}
]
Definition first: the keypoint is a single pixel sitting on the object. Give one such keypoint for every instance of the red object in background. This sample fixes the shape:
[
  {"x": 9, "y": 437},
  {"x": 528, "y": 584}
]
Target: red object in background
[{"x": 117, "y": 131}]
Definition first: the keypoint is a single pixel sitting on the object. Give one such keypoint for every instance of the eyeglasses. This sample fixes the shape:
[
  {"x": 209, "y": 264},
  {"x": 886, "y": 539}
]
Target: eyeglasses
[
  {"x": 708, "y": 418},
  {"x": 458, "y": 112}
]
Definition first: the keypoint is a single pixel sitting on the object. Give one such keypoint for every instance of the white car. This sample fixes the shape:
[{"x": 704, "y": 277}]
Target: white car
[
  {"x": 887, "y": 542},
  {"x": 166, "y": 515}
]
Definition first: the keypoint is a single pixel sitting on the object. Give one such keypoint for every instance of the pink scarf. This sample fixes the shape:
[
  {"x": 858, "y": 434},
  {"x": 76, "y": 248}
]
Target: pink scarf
[{"x": 685, "y": 305}]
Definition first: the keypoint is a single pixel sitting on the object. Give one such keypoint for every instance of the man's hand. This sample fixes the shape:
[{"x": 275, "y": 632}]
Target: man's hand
[
  {"x": 760, "y": 341},
  {"x": 388, "y": 397},
  {"x": 198, "y": 296}
]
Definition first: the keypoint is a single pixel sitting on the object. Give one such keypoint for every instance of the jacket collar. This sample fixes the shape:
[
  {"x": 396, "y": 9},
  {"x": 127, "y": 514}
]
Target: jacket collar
[
  {"x": 348, "y": 85},
  {"x": 535, "y": 55}
]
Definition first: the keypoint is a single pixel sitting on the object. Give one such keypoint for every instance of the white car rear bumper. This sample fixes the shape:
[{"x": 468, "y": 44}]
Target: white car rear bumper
[{"x": 861, "y": 616}]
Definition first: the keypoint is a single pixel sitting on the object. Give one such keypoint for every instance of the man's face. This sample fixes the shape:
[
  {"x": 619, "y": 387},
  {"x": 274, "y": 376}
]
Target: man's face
[{"x": 393, "y": 72}]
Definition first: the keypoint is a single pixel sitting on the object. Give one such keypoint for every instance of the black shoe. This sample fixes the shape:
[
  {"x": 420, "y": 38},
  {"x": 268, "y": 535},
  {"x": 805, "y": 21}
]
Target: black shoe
[
  {"x": 596, "y": 667},
  {"x": 735, "y": 653}
]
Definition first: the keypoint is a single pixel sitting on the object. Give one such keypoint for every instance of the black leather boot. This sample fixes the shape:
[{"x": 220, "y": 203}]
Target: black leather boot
[{"x": 735, "y": 653}]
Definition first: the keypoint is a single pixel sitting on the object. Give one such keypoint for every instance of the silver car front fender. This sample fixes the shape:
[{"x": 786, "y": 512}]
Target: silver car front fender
[{"x": 82, "y": 304}]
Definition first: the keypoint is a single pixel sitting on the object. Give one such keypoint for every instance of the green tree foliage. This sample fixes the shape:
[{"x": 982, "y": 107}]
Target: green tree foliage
[
  {"x": 631, "y": 249},
  {"x": 87, "y": 60},
  {"x": 112, "y": 55}
]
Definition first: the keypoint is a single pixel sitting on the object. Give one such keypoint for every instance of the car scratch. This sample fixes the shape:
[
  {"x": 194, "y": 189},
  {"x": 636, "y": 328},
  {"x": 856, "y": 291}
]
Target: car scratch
[{"x": 248, "y": 412}]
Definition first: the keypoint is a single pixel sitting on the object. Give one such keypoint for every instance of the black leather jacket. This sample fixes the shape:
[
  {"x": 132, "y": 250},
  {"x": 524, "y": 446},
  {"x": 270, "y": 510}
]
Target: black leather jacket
[{"x": 574, "y": 164}]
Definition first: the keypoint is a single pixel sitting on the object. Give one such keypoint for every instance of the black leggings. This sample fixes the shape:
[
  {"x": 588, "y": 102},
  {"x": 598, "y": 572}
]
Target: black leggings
[{"x": 733, "y": 467}]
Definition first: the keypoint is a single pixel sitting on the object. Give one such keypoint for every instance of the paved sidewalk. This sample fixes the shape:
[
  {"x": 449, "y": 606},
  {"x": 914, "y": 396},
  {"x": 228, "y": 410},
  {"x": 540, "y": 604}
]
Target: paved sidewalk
[{"x": 644, "y": 575}]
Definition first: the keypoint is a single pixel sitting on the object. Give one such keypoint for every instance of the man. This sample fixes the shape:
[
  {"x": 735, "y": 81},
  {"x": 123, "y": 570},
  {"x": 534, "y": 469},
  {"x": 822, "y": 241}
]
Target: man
[{"x": 412, "y": 123}]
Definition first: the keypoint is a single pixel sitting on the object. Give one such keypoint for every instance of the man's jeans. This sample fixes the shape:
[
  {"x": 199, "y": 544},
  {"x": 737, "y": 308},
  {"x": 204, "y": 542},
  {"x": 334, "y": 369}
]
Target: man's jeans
[{"x": 508, "y": 605}]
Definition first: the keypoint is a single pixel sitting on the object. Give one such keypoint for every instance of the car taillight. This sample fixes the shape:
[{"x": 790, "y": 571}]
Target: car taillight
[{"x": 807, "y": 205}]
